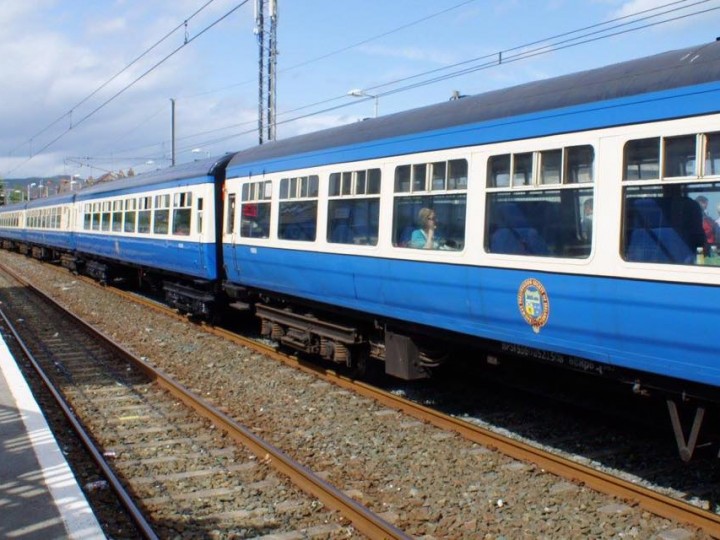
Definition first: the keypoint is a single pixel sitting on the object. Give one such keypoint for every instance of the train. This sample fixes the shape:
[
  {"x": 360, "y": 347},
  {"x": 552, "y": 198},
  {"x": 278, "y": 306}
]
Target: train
[{"x": 566, "y": 222}]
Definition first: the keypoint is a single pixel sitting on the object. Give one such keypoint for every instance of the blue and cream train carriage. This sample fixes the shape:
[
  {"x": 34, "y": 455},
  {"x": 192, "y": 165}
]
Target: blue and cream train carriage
[{"x": 575, "y": 221}]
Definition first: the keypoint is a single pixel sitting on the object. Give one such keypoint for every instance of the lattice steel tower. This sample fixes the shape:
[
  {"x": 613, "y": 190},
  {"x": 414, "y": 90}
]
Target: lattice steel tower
[{"x": 266, "y": 31}]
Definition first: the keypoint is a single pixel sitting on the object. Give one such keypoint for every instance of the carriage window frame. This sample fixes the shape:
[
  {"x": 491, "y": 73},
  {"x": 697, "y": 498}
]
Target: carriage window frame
[
  {"x": 531, "y": 169},
  {"x": 540, "y": 202},
  {"x": 426, "y": 178},
  {"x": 181, "y": 213},
  {"x": 657, "y": 209},
  {"x": 117, "y": 215},
  {"x": 161, "y": 214},
  {"x": 256, "y": 209},
  {"x": 439, "y": 185},
  {"x": 144, "y": 215},
  {"x": 354, "y": 207},
  {"x": 662, "y": 157},
  {"x": 129, "y": 219},
  {"x": 298, "y": 195}
]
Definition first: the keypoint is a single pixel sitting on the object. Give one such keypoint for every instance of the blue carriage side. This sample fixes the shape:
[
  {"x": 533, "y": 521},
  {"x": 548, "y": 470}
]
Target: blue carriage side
[
  {"x": 510, "y": 176},
  {"x": 163, "y": 226}
]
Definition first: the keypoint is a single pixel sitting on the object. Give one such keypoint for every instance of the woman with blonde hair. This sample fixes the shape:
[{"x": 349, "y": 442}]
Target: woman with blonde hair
[{"x": 425, "y": 236}]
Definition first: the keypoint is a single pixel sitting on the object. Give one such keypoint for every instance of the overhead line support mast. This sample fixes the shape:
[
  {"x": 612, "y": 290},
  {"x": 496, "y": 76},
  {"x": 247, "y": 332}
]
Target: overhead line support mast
[{"x": 266, "y": 31}]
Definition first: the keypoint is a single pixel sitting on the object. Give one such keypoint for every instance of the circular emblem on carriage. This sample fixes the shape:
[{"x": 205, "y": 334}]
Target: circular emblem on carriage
[{"x": 533, "y": 303}]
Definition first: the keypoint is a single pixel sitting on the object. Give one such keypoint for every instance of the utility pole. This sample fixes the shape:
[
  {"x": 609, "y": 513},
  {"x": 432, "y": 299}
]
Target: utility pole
[
  {"x": 266, "y": 32},
  {"x": 172, "y": 122}
]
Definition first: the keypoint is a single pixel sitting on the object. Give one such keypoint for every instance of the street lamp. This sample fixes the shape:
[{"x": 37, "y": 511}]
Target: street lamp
[{"x": 357, "y": 92}]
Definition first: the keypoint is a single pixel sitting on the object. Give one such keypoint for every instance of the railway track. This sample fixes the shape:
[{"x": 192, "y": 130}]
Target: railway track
[
  {"x": 548, "y": 459},
  {"x": 159, "y": 446},
  {"x": 669, "y": 507}
]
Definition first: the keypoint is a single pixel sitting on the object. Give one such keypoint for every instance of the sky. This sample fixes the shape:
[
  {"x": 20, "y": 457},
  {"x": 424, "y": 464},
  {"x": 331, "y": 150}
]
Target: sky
[{"x": 87, "y": 86}]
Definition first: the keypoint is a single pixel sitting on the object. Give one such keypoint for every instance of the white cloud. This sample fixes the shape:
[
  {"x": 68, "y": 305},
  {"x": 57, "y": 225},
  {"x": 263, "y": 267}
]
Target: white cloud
[{"x": 416, "y": 54}]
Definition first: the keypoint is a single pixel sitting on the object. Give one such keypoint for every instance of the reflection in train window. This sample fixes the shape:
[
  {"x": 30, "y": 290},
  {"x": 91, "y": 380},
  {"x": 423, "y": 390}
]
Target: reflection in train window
[
  {"x": 255, "y": 209},
  {"x": 298, "y": 208},
  {"x": 353, "y": 217}
]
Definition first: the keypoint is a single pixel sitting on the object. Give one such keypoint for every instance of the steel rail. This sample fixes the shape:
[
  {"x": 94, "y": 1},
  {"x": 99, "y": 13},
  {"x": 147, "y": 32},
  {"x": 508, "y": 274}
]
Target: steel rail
[
  {"x": 136, "y": 515},
  {"x": 604, "y": 482},
  {"x": 361, "y": 517},
  {"x": 654, "y": 502}
]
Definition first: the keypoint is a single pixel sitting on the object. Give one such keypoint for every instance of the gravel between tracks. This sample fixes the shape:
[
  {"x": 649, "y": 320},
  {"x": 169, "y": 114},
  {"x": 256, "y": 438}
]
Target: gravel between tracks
[{"x": 430, "y": 483}]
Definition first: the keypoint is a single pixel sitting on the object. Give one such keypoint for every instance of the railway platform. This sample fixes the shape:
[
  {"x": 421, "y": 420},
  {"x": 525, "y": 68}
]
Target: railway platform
[{"x": 39, "y": 495}]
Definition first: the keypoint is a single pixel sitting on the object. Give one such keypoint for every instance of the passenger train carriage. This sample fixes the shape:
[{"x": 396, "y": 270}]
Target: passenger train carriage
[
  {"x": 157, "y": 227},
  {"x": 574, "y": 223}
]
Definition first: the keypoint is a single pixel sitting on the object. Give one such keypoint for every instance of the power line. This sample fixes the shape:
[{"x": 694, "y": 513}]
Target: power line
[
  {"x": 345, "y": 48},
  {"x": 493, "y": 58},
  {"x": 587, "y": 34},
  {"x": 111, "y": 79},
  {"x": 131, "y": 84}
]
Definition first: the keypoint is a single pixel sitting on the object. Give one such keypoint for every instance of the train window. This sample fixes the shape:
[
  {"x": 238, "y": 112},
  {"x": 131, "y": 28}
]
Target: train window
[
  {"x": 298, "y": 212},
  {"x": 105, "y": 216},
  {"x": 255, "y": 210},
  {"x": 130, "y": 215},
  {"x": 230, "y": 214},
  {"x": 437, "y": 176},
  {"x": 419, "y": 177},
  {"x": 712, "y": 154},
  {"x": 161, "y": 214},
  {"x": 540, "y": 219},
  {"x": 568, "y": 165},
  {"x": 642, "y": 159},
  {"x": 439, "y": 171},
  {"x": 160, "y": 221},
  {"x": 373, "y": 185},
  {"x": 457, "y": 174},
  {"x": 298, "y": 220},
  {"x": 346, "y": 188},
  {"x": 402, "y": 179},
  {"x": 546, "y": 223},
  {"x": 679, "y": 156},
  {"x": 353, "y": 217},
  {"x": 87, "y": 216},
  {"x": 499, "y": 171},
  {"x": 522, "y": 167},
  {"x": 550, "y": 166},
  {"x": 414, "y": 215},
  {"x": 144, "y": 214},
  {"x": 182, "y": 203},
  {"x": 199, "y": 220},
  {"x": 299, "y": 187},
  {"x": 671, "y": 223},
  {"x": 353, "y": 221},
  {"x": 117, "y": 216},
  {"x": 579, "y": 164},
  {"x": 685, "y": 156},
  {"x": 360, "y": 182}
]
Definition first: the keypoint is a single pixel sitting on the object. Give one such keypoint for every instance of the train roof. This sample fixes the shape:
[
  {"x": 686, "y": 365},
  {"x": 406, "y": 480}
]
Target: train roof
[
  {"x": 199, "y": 170},
  {"x": 667, "y": 71}
]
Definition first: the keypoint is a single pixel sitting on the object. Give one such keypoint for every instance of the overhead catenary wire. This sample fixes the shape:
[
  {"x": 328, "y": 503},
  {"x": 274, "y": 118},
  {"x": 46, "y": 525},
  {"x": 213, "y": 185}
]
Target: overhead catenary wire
[
  {"x": 186, "y": 42},
  {"x": 581, "y": 36},
  {"x": 498, "y": 58},
  {"x": 147, "y": 51}
]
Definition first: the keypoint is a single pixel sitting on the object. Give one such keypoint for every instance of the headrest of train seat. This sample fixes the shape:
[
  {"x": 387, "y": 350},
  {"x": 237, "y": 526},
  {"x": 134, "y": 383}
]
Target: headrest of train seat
[
  {"x": 511, "y": 215},
  {"x": 648, "y": 213}
]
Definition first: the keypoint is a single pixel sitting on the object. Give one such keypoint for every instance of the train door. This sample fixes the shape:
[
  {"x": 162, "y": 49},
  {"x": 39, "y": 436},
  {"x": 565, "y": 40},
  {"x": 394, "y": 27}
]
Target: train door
[{"x": 231, "y": 231}]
